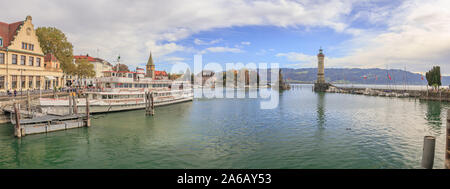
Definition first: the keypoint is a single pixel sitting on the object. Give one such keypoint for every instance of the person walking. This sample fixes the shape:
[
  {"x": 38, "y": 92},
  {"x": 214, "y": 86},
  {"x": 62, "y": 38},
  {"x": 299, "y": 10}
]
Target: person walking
[{"x": 15, "y": 93}]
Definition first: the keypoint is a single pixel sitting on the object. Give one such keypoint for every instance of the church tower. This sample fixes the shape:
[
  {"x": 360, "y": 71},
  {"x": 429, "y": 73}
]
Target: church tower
[
  {"x": 320, "y": 67},
  {"x": 150, "y": 67}
]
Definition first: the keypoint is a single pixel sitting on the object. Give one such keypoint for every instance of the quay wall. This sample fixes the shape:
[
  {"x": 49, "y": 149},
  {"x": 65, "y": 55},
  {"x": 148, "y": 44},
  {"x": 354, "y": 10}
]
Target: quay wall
[
  {"x": 6, "y": 101},
  {"x": 441, "y": 95}
]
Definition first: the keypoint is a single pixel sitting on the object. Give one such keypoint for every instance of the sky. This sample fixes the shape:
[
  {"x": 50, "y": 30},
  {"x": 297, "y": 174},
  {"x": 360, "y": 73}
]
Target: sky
[{"x": 412, "y": 35}]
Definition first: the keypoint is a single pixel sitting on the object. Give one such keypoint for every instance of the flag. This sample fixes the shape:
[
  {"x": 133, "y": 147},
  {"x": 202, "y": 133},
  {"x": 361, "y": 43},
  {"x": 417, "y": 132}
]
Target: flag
[
  {"x": 389, "y": 76},
  {"x": 376, "y": 77},
  {"x": 365, "y": 77},
  {"x": 421, "y": 77}
]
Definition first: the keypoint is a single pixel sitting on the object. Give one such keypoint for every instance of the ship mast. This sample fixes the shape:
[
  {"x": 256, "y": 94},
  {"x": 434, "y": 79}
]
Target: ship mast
[{"x": 118, "y": 63}]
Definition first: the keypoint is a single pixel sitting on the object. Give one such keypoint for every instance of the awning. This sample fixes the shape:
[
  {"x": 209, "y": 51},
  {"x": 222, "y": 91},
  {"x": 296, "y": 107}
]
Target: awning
[{"x": 48, "y": 77}]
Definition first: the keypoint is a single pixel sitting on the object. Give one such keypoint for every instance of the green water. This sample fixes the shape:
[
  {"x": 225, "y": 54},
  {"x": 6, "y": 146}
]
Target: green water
[{"x": 306, "y": 130}]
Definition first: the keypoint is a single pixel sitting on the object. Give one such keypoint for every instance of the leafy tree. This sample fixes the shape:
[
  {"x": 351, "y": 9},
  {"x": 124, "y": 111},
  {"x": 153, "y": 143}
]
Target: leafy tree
[
  {"x": 434, "y": 77},
  {"x": 53, "y": 40},
  {"x": 174, "y": 76},
  {"x": 84, "y": 69},
  {"x": 122, "y": 68}
]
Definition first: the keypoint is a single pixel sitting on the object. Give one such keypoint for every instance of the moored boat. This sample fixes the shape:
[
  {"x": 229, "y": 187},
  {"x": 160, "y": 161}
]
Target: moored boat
[{"x": 121, "y": 91}]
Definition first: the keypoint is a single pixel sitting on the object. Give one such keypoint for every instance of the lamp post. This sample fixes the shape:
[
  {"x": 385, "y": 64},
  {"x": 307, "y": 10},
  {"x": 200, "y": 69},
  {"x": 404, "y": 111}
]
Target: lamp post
[{"x": 21, "y": 71}]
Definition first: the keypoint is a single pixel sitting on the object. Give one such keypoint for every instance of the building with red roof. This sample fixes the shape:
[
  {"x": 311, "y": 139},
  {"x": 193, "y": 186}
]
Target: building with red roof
[
  {"x": 100, "y": 65},
  {"x": 22, "y": 62}
]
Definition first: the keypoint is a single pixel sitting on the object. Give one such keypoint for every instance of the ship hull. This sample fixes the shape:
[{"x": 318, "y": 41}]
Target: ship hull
[{"x": 61, "y": 107}]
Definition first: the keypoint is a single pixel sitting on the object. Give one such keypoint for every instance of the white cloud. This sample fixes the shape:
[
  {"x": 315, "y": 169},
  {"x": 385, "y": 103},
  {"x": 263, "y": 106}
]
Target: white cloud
[
  {"x": 415, "y": 33},
  {"x": 245, "y": 43},
  {"x": 418, "y": 36},
  {"x": 133, "y": 28},
  {"x": 302, "y": 60},
  {"x": 221, "y": 50},
  {"x": 200, "y": 42}
]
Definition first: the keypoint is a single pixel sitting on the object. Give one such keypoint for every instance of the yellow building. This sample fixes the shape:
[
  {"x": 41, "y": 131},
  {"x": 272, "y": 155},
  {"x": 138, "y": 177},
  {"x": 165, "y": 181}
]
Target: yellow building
[{"x": 22, "y": 63}]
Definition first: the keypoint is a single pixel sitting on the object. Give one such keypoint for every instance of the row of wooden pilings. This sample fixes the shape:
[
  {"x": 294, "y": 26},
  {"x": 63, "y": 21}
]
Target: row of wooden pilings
[
  {"x": 149, "y": 104},
  {"x": 73, "y": 109},
  {"x": 429, "y": 143}
]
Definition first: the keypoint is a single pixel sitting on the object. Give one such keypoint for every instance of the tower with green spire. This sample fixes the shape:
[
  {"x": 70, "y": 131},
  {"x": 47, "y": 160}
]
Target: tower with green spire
[{"x": 150, "y": 67}]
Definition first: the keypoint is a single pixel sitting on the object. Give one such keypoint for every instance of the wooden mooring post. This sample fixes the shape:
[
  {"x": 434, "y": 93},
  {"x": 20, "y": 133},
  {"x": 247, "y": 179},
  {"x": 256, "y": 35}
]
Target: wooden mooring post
[
  {"x": 17, "y": 128},
  {"x": 149, "y": 105},
  {"x": 88, "y": 119},
  {"x": 28, "y": 101},
  {"x": 429, "y": 143},
  {"x": 447, "y": 144},
  {"x": 152, "y": 107}
]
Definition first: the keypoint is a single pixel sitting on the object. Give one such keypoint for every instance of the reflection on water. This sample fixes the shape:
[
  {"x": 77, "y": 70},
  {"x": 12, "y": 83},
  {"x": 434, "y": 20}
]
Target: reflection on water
[
  {"x": 320, "y": 110},
  {"x": 433, "y": 116},
  {"x": 306, "y": 130}
]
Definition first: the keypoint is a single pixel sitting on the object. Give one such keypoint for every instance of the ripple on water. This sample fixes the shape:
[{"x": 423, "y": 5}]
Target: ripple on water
[{"x": 306, "y": 130}]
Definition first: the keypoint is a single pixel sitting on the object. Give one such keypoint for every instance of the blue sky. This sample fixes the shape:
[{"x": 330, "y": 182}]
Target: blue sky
[
  {"x": 261, "y": 44},
  {"x": 353, "y": 33}
]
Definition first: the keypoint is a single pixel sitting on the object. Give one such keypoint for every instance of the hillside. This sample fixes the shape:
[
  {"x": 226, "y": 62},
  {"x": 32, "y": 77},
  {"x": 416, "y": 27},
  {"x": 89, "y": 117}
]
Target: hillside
[{"x": 358, "y": 76}]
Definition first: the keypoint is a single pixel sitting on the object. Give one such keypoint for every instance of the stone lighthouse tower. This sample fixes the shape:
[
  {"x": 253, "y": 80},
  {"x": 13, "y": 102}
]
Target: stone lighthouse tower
[
  {"x": 320, "y": 67},
  {"x": 320, "y": 85}
]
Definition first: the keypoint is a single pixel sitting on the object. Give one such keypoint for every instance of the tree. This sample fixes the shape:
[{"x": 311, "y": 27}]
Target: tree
[
  {"x": 434, "y": 77},
  {"x": 174, "y": 76},
  {"x": 54, "y": 41},
  {"x": 122, "y": 68},
  {"x": 84, "y": 68}
]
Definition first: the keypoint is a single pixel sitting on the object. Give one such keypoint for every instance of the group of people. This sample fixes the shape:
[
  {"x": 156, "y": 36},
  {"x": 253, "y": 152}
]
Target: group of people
[
  {"x": 10, "y": 94},
  {"x": 14, "y": 93}
]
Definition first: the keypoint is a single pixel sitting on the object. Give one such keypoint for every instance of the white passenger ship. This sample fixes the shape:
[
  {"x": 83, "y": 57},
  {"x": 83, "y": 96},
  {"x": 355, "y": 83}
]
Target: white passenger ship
[{"x": 119, "y": 91}]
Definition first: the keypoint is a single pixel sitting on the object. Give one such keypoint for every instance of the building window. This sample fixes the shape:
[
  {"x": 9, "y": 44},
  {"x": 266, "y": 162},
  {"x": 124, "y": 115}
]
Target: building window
[
  {"x": 38, "y": 62},
  {"x": 38, "y": 82},
  {"x": 1, "y": 42},
  {"x": 2, "y": 58},
  {"x": 14, "y": 59},
  {"x": 2, "y": 82},
  {"x": 14, "y": 81},
  {"x": 57, "y": 82},
  {"x": 31, "y": 63},
  {"x": 23, "y": 82},
  {"x": 22, "y": 59},
  {"x": 31, "y": 47},
  {"x": 30, "y": 82}
]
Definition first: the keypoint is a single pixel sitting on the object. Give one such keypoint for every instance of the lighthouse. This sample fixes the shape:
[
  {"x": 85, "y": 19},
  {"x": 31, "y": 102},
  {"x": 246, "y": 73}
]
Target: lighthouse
[
  {"x": 320, "y": 67},
  {"x": 320, "y": 85}
]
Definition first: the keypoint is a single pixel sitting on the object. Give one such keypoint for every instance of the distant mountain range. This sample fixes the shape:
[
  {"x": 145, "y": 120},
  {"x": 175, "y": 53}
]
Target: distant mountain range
[{"x": 358, "y": 76}]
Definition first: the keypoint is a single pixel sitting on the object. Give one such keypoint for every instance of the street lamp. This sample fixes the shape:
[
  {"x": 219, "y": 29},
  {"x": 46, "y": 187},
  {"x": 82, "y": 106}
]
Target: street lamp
[{"x": 21, "y": 71}]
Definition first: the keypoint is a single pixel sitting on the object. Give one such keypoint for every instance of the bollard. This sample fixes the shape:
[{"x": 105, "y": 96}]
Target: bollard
[{"x": 429, "y": 143}]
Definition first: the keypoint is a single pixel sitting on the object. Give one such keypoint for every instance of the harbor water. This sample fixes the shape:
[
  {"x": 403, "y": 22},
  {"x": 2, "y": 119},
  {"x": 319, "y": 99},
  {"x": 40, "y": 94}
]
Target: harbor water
[{"x": 305, "y": 130}]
